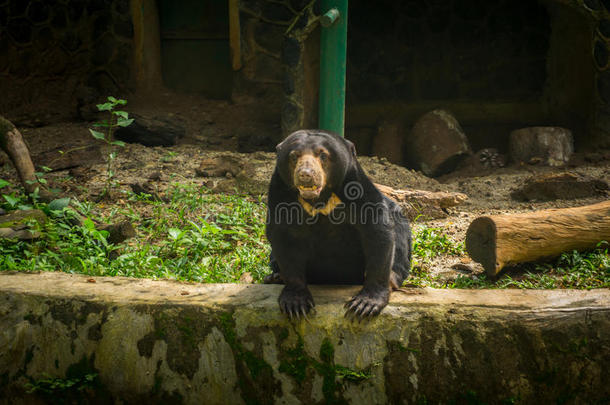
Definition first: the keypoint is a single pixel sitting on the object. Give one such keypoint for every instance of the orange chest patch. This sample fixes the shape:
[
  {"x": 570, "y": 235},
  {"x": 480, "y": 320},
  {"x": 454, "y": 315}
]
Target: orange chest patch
[{"x": 330, "y": 205}]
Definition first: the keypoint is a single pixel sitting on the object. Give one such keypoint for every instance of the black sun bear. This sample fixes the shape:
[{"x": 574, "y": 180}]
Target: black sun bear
[{"x": 329, "y": 224}]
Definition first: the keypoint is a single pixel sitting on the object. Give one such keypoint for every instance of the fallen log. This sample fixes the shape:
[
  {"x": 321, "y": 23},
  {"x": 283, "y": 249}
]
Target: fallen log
[
  {"x": 12, "y": 143},
  {"x": 427, "y": 204},
  {"x": 501, "y": 240}
]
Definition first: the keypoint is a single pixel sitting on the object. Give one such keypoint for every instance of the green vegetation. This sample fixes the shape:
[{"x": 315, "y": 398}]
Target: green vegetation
[
  {"x": 116, "y": 119},
  {"x": 195, "y": 235},
  {"x": 429, "y": 243}
]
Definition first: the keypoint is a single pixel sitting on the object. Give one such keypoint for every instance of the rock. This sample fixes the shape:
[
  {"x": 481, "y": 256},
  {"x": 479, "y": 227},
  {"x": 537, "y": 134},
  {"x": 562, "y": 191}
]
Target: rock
[
  {"x": 23, "y": 234},
  {"x": 69, "y": 156},
  {"x": 18, "y": 219},
  {"x": 219, "y": 166},
  {"x": 13, "y": 225},
  {"x": 437, "y": 143},
  {"x": 152, "y": 131},
  {"x": 562, "y": 186},
  {"x": 552, "y": 146},
  {"x": 389, "y": 142}
]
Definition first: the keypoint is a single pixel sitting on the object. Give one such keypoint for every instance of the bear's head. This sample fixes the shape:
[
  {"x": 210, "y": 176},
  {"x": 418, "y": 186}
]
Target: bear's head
[{"x": 314, "y": 162}]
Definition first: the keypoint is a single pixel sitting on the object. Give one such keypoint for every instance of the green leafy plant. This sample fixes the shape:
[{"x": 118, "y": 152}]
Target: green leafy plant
[{"x": 116, "y": 119}]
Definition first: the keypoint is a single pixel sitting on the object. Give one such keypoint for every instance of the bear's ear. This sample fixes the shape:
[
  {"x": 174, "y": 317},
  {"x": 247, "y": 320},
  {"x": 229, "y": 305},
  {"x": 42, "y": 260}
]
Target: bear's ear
[
  {"x": 351, "y": 146},
  {"x": 279, "y": 146}
]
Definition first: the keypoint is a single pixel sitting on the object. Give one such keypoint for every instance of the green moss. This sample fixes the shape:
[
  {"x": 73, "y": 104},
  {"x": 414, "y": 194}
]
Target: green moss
[
  {"x": 255, "y": 375},
  {"x": 327, "y": 351},
  {"x": 255, "y": 364},
  {"x": 295, "y": 361},
  {"x": 188, "y": 335}
]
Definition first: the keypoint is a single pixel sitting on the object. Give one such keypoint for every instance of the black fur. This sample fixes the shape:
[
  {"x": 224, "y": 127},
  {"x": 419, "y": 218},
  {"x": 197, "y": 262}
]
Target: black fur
[{"x": 363, "y": 241}]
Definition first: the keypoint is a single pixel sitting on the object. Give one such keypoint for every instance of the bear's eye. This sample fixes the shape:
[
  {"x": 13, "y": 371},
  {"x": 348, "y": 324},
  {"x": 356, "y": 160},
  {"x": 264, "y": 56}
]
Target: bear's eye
[
  {"x": 323, "y": 156},
  {"x": 293, "y": 155}
]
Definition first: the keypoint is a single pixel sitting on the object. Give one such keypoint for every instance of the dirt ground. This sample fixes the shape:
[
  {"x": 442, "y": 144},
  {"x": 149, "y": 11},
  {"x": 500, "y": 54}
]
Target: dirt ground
[{"x": 218, "y": 128}]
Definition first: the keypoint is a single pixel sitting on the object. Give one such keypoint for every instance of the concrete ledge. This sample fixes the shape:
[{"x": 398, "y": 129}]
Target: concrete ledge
[{"x": 169, "y": 342}]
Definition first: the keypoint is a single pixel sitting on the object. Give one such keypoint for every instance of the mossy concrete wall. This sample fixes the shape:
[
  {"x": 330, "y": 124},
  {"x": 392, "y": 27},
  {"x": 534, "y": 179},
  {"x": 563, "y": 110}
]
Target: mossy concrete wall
[{"x": 165, "y": 342}]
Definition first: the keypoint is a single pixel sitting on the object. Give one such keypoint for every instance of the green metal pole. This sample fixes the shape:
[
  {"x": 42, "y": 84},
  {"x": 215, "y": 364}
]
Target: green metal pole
[{"x": 333, "y": 48}]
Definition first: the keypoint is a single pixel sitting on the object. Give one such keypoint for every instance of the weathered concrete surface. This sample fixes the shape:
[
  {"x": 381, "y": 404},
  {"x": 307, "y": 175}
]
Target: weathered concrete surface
[{"x": 166, "y": 342}]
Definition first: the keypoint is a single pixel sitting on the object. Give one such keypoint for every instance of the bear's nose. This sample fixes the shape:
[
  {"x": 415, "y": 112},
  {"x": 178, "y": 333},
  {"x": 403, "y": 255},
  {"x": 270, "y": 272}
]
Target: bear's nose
[{"x": 306, "y": 175}]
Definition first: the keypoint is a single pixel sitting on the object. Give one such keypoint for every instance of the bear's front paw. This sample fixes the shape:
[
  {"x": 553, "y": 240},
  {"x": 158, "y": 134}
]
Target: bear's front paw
[
  {"x": 295, "y": 302},
  {"x": 367, "y": 303}
]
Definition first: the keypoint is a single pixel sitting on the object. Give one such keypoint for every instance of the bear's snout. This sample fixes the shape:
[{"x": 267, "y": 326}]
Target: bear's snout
[
  {"x": 306, "y": 175},
  {"x": 309, "y": 176}
]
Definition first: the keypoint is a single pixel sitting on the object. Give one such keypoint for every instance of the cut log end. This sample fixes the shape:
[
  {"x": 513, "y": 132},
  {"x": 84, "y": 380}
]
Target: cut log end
[{"x": 481, "y": 244}]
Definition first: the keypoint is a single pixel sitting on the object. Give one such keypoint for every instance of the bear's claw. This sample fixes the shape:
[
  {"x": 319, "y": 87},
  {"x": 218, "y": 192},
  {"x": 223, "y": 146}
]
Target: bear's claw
[
  {"x": 365, "y": 304},
  {"x": 296, "y": 303}
]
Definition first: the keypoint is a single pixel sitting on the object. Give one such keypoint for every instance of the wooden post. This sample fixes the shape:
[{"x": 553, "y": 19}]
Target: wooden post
[
  {"x": 234, "y": 34},
  {"x": 501, "y": 240},
  {"x": 146, "y": 44}
]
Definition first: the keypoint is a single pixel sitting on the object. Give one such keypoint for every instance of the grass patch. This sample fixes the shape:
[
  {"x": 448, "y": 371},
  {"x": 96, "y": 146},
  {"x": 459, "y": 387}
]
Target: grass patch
[
  {"x": 429, "y": 243},
  {"x": 196, "y": 236}
]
